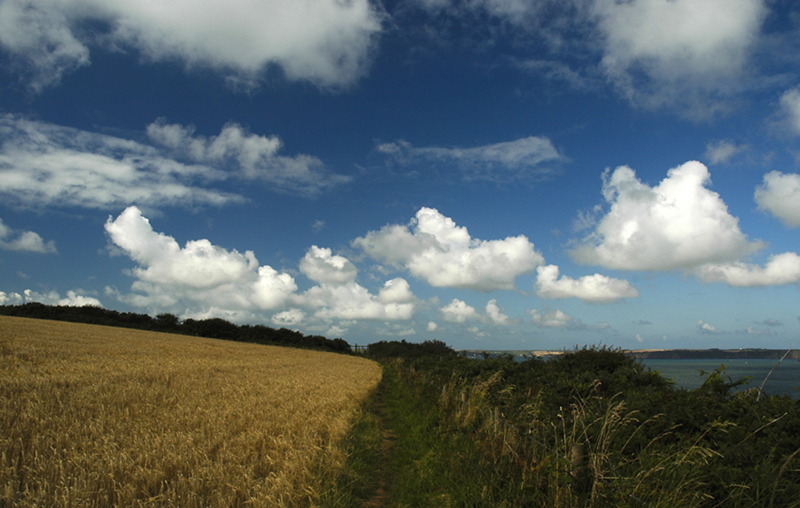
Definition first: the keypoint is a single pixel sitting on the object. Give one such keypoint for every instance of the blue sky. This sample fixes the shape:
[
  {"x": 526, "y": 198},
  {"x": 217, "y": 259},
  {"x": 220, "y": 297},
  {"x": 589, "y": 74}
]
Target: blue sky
[{"x": 496, "y": 174}]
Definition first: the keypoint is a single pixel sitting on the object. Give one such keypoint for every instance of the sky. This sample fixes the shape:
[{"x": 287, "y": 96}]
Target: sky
[{"x": 494, "y": 174}]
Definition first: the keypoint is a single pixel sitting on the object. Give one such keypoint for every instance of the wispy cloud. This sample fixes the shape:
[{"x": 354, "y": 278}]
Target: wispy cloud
[
  {"x": 758, "y": 332},
  {"x": 694, "y": 58},
  {"x": 790, "y": 109},
  {"x": 722, "y": 151},
  {"x": 681, "y": 53},
  {"x": 44, "y": 164},
  {"x": 556, "y": 318},
  {"x": 523, "y": 159},
  {"x": 248, "y": 156}
]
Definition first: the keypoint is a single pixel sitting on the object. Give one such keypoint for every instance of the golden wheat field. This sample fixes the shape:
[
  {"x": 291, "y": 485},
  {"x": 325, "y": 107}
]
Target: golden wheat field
[{"x": 93, "y": 416}]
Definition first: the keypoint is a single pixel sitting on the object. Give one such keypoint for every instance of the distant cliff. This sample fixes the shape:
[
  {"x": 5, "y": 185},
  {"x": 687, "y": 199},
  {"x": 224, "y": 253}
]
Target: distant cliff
[{"x": 717, "y": 354}]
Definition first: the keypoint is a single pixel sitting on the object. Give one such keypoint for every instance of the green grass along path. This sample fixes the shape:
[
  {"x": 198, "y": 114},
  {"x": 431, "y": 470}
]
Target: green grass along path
[
  {"x": 404, "y": 451},
  {"x": 399, "y": 457}
]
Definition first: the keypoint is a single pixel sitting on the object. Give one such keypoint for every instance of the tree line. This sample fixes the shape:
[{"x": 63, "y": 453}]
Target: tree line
[{"x": 213, "y": 328}]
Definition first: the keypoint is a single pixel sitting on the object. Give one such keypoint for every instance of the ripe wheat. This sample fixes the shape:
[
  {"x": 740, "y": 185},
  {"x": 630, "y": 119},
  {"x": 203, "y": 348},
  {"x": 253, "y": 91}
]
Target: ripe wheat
[{"x": 94, "y": 416}]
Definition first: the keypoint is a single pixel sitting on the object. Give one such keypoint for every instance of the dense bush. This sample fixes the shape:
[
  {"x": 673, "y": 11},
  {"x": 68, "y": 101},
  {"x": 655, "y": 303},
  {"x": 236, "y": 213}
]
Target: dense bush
[
  {"x": 595, "y": 427},
  {"x": 410, "y": 350}
]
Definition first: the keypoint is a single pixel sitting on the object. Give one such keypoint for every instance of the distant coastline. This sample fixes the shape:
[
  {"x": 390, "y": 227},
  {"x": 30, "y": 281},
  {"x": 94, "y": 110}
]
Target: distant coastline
[{"x": 668, "y": 354}]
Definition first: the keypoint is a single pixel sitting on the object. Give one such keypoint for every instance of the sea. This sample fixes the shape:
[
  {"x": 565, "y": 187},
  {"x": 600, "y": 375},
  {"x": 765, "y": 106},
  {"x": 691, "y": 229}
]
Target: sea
[
  {"x": 785, "y": 379},
  {"x": 688, "y": 374}
]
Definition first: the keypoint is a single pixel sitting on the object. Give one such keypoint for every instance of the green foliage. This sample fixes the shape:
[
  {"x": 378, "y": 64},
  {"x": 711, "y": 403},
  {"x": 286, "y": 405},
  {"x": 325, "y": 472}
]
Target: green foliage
[
  {"x": 593, "y": 427},
  {"x": 719, "y": 384},
  {"x": 409, "y": 350},
  {"x": 168, "y": 322}
]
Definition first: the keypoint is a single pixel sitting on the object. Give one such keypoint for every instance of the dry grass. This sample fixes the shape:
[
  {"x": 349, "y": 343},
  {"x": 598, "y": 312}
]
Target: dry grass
[{"x": 97, "y": 416}]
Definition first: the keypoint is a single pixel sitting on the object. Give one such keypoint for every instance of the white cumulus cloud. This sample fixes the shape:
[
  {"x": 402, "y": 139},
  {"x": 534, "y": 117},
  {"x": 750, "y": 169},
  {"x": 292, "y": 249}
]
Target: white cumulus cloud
[
  {"x": 590, "y": 288},
  {"x": 327, "y": 42},
  {"x": 10, "y": 298},
  {"x": 76, "y": 300},
  {"x": 270, "y": 289},
  {"x": 204, "y": 280},
  {"x": 458, "y": 311},
  {"x": 553, "y": 318},
  {"x": 779, "y": 194},
  {"x": 397, "y": 290},
  {"x": 434, "y": 248},
  {"x": 339, "y": 296},
  {"x": 198, "y": 265},
  {"x": 291, "y": 317},
  {"x": 320, "y": 265},
  {"x": 25, "y": 241},
  {"x": 73, "y": 298},
  {"x": 780, "y": 269},
  {"x": 677, "y": 225},
  {"x": 496, "y": 314},
  {"x": 708, "y": 329},
  {"x": 353, "y": 301},
  {"x": 396, "y": 330},
  {"x": 196, "y": 277}
]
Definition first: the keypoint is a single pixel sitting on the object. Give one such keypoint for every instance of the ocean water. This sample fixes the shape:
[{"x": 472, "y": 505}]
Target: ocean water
[{"x": 785, "y": 379}]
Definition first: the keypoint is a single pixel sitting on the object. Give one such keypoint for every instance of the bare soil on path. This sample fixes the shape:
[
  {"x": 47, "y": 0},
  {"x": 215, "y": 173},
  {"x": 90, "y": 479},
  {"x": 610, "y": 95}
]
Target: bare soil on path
[{"x": 382, "y": 496}]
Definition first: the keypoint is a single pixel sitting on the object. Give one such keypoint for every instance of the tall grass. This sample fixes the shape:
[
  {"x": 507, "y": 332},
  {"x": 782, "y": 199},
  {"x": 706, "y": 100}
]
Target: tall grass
[
  {"x": 94, "y": 416},
  {"x": 593, "y": 441},
  {"x": 498, "y": 447}
]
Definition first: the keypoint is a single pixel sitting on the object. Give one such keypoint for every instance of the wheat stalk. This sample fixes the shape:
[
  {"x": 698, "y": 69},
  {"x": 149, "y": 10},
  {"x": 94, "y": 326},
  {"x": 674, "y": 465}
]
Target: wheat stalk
[{"x": 94, "y": 416}]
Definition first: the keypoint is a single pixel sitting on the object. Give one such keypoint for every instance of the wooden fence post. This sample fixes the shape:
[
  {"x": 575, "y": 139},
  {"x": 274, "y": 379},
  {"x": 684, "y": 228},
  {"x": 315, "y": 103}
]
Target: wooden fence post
[{"x": 577, "y": 458}]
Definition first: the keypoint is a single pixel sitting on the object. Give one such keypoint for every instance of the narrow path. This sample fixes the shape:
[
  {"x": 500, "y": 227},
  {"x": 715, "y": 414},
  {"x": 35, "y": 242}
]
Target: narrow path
[
  {"x": 395, "y": 458},
  {"x": 381, "y": 497}
]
